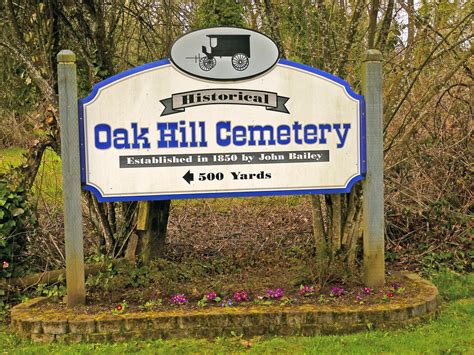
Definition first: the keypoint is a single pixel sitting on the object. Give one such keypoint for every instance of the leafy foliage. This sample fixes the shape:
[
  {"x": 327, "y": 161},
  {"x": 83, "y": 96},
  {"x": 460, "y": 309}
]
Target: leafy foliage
[
  {"x": 14, "y": 219},
  {"x": 219, "y": 13}
]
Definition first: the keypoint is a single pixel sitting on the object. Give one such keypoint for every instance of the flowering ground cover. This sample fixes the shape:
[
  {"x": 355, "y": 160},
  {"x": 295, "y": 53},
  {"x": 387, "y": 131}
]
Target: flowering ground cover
[
  {"x": 116, "y": 293},
  {"x": 452, "y": 332}
]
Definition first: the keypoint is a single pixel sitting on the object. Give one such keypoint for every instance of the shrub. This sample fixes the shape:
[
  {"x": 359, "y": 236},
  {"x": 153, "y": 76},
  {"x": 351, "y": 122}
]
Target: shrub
[{"x": 14, "y": 219}]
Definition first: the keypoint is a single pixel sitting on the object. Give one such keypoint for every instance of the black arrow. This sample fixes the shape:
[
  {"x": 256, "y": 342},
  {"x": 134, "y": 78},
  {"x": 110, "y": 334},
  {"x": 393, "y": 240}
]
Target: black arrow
[{"x": 189, "y": 176}]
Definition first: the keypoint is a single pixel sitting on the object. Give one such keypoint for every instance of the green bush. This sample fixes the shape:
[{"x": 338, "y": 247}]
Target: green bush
[{"x": 14, "y": 219}]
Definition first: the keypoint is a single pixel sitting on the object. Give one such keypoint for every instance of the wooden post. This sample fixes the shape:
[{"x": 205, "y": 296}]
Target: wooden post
[
  {"x": 151, "y": 229},
  {"x": 67, "y": 84},
  {"x": 373, "y": 218}
]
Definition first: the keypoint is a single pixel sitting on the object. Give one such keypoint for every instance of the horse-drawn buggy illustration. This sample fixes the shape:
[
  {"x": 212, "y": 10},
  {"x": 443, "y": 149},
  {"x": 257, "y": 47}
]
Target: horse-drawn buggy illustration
[{"x": 235, "y": 46}]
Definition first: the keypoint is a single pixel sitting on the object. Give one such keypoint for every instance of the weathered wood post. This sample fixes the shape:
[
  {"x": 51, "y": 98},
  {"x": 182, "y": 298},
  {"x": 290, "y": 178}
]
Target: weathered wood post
[
  {"x": 67, "y": 83},
  {"x": 151, "y": 227},
  {"x": 374, "y": 254}
]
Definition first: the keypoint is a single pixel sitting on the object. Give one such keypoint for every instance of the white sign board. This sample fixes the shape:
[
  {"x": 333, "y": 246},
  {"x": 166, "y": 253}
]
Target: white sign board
[{"x": 154, "y": 132}]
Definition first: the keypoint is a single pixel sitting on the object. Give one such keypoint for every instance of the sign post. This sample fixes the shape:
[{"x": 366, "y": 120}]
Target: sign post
[
  {"x": 68, "y": 112},
  {"x": 374, "y": 258}
]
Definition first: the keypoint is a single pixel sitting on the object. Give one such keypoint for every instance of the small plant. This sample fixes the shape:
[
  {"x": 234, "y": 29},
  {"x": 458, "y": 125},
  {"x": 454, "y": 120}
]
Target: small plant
[
  {"x": 276, "y": 293},
  {"x": 397, "y": 288},
  {"x": 52, "y": 290},
  {"x": 202, "y": 302},
  {"x": 359, "y": 299},
  {"x": 306, "y": 291},
  {"x": 337, "y": 291},
  {"x": 241, "y": 296},
  {"x": 120, "y": 308},
  {"x": 178, "y": 299},
  {"x": 261, "y": 301},
  {"x": 210, "y": 297},
  {"x": 400, "y": 290},
  {"x": 228, "y": 303},
  {"x": 387, "y": 296},
  {"x": 396, "y": 285},
  {"x": 151, "y": 305},
  {"x": 287, "y": 300}
]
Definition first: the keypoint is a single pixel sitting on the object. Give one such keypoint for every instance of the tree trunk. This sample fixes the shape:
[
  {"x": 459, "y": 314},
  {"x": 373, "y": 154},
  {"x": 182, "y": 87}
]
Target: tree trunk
[
  {"x": 320, "y": 238},
  {"x": 151, "y": 242}
]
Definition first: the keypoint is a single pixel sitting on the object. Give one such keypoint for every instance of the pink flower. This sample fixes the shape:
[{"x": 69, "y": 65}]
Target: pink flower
[
  {"x": 241, "y": 296},
  {"x": 306, "y": 290},
  {"x": 5, "y": 264},
  {"x": 178, "y": 299},
  {"x": 211, "y": 296},
  {"x": 337, "y": 291},
  {"x": 276, "y": 293}
]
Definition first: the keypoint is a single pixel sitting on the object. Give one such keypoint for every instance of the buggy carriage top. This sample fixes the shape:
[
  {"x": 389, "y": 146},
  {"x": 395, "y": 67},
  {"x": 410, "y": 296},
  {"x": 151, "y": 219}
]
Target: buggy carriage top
[{"x": 235, "y": 46}]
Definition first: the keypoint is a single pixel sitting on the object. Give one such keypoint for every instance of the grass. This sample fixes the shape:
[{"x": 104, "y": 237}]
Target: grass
[
  {"x": 453, "y": 286},
  {"x": 48, "y": 183},
  {"x": 10, "y": 157},
  {"x": 452, "y": 332}
]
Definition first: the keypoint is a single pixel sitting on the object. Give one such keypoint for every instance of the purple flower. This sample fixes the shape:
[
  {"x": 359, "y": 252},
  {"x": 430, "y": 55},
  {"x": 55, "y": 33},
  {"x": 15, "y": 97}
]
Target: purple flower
[
  {"x": 241, "y": 296},
  {"x": 276, "y": 293},
  {"x": 178, "y": 299},
  {"x": 359, "y": 298},
  {"x": 227, "y": 303},
  {"x": 211, "y": 296},
  {"x": 366, "y": 290},
  {"x": 396, "y": 285},
  {"x": 337, "y": 291}
]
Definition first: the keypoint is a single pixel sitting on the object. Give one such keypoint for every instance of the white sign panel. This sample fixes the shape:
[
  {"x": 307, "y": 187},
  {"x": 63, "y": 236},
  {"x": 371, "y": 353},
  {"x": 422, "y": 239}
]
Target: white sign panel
[{"x": 154, "y": 132}]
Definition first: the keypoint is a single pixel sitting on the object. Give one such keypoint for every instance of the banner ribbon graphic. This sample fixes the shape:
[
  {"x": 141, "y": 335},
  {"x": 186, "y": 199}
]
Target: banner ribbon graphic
[{"x": 180, "y": 101}]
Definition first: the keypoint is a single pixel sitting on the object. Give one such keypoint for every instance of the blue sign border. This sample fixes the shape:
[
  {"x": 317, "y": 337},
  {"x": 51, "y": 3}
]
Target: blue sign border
[{"x": 96, "y": 192}]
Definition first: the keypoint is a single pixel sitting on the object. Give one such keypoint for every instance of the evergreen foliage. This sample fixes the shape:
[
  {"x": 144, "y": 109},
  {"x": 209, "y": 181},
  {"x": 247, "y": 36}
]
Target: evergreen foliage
[{"x": 218, "y": 13}]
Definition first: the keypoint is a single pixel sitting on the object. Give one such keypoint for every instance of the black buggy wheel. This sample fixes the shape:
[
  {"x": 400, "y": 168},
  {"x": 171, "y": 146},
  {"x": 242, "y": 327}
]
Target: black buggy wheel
[
  {"x": 206, "y": 63},
  {"x": 240, "y": 61}
]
